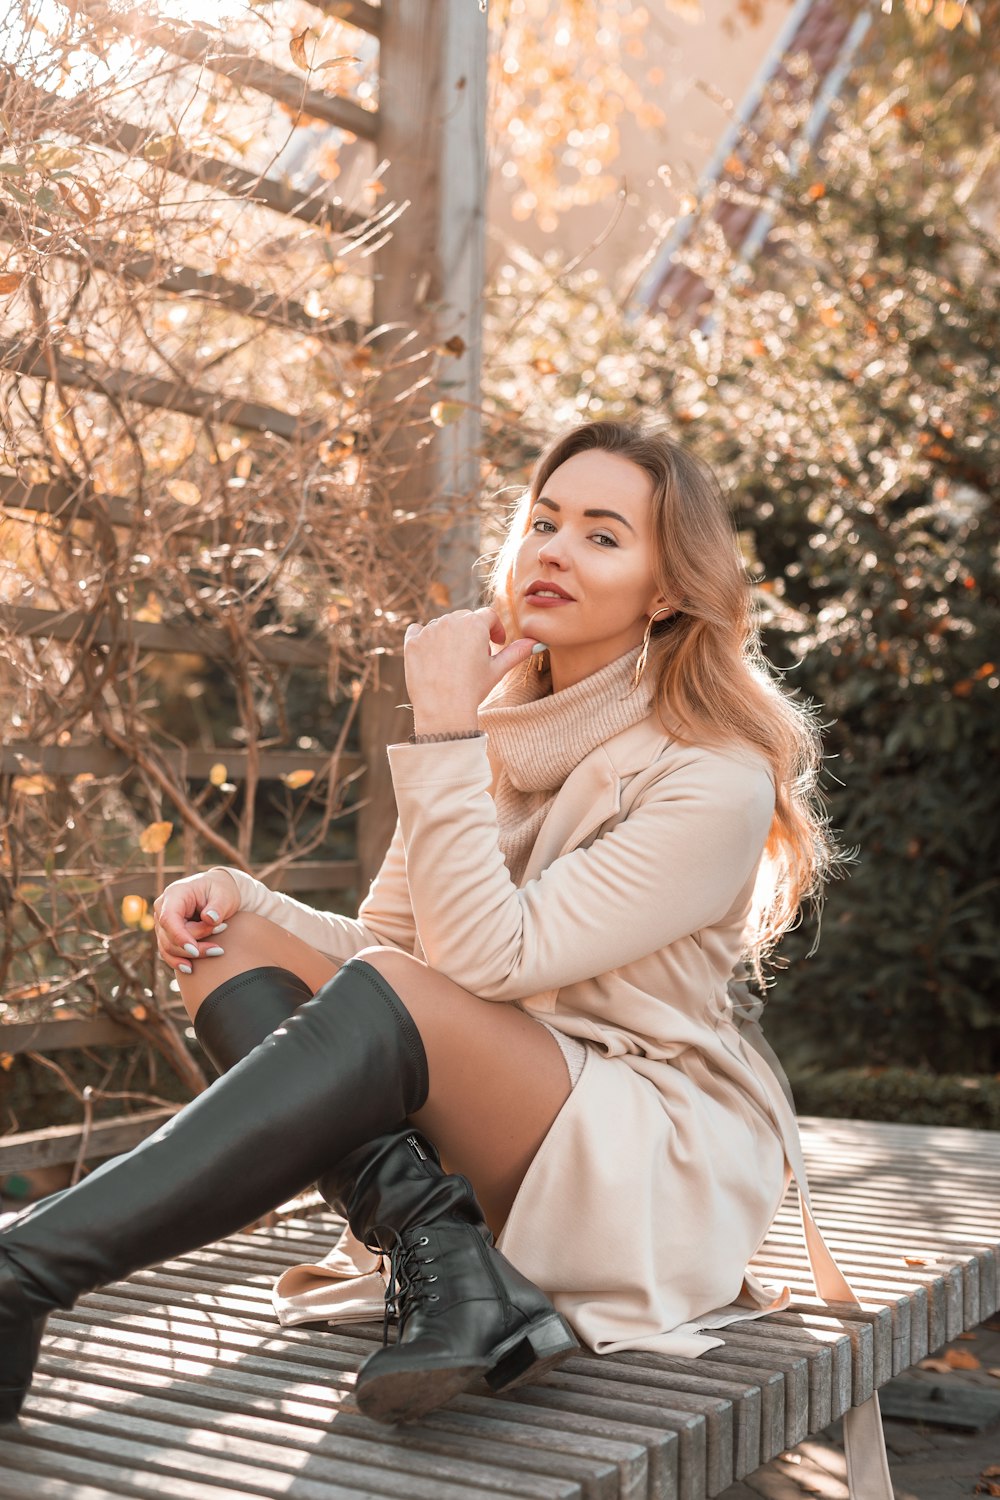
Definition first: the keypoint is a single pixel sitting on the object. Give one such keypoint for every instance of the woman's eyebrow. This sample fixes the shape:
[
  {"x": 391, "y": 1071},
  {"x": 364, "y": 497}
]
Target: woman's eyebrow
[{"x": 544, "y": 500}]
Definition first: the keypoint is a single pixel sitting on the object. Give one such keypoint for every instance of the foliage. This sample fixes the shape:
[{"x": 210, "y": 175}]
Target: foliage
[
  {"x": 904, "y": 1096},
  {"x": 846, "y": 389},
  {"x": 200, "y": 546}
]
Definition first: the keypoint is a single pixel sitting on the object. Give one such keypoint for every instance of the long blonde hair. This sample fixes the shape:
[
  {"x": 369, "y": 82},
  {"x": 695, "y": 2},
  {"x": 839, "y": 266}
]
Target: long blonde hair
[{"x": 708, "y": 670}]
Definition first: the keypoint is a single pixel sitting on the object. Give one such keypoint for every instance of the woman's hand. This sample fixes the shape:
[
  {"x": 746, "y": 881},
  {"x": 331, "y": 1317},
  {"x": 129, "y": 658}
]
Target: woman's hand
[
  {"x": 189, "y": 914},
  {"x": 449, "y": 668}
]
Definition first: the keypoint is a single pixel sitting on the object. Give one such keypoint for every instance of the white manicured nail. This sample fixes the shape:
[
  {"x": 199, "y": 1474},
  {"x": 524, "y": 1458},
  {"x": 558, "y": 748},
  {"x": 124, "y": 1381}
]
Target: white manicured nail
[
  {"x": 185, "y": 968},
  {"x": 221, "y": 928},
  {"x": 210, "y": 915},
  {"x": 214, "y": 952},
  {"x": 192, "y": 949}
]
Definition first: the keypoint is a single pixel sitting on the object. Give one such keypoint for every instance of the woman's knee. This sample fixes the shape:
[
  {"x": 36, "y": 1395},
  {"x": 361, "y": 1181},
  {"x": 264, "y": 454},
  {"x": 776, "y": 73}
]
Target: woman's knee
[{"x": 252, "y": 941}]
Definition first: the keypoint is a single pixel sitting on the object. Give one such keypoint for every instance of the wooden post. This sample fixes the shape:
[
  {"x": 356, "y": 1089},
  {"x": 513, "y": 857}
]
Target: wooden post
[{"x": 429, "y": 275}]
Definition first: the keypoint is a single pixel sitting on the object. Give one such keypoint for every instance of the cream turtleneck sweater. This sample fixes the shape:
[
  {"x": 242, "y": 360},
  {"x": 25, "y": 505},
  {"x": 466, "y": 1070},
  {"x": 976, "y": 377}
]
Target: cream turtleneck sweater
[{"x": 536, "y": 737}]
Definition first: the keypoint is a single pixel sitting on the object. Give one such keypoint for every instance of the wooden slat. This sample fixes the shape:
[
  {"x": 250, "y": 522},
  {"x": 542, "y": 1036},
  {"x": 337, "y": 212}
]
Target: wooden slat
[
  {"x": 188, "y": 1358},
  {"x": 212, "y": 51},
  {"x": 308, "y": 875},
  {"x": 357, "y": 12},
  {"x": 67, "y": 625},
  {"x": 62, "y": 1036},
  {"x": 101, "y": 760},
  {"x": 27, "y": 358},
  {"x": 77, "y": 117},
  {"x": 59, "y": 1144}
]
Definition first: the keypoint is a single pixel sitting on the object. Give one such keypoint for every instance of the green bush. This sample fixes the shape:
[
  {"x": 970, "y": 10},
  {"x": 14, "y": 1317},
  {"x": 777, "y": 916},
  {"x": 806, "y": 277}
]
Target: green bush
[{"x": 904, "y": 1096}]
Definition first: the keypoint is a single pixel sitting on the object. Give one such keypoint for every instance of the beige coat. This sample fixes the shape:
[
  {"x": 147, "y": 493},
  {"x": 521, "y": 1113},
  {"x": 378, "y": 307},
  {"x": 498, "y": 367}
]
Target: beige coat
[{"x": 664, "y": 1169}]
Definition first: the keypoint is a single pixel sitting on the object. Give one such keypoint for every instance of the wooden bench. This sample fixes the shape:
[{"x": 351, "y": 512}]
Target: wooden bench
[{"x": 180, "y": 1382}]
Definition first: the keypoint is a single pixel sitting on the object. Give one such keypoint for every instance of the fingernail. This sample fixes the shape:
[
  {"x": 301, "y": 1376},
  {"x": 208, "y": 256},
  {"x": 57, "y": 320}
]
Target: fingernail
[
  {"x": 210, "y": 915},
  {"x": 185, "y": 968},
  {"x": 538, "y": 648},
  {"x": 214, "y": 952},
  {"x": 221, "y": 928},
  {"x": 190, "y": 948}
]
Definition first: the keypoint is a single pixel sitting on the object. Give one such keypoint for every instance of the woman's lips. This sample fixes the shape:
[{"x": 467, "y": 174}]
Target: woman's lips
[{"x": 545, "y": 599}]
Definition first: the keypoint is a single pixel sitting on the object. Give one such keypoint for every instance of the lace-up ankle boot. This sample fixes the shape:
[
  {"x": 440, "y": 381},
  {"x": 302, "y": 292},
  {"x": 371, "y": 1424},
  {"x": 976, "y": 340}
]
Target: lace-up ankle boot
[
  {"x": 343, "y": 1068},
  {"x": 463, "y": 1309}
]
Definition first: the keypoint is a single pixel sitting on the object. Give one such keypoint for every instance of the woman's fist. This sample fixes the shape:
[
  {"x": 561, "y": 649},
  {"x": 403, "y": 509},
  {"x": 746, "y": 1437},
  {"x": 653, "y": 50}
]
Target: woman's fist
[
  {"x": 190, "y": 913},
  {"x": 450, "y": 669}
]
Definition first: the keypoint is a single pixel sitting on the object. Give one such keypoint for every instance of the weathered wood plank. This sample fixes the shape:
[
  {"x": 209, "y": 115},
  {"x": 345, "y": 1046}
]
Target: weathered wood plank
[
  {"x": 59, "y": 1144},
  {"x": 67, "y": 625},
  {"x": 28, "y": 358},
  {"x": 18, "y": 757}
]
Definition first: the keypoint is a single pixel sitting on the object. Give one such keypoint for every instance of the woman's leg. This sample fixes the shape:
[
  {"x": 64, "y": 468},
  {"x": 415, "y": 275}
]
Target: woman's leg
[{"x": 497, "y": 1078}]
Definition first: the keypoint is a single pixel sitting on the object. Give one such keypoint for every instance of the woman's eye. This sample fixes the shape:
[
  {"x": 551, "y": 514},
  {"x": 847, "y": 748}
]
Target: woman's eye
[{"x": 541, "y": 521}]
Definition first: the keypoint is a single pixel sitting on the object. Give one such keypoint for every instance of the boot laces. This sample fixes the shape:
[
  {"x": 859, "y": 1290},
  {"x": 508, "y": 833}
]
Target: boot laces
[{"x": 407, "y": 1287}]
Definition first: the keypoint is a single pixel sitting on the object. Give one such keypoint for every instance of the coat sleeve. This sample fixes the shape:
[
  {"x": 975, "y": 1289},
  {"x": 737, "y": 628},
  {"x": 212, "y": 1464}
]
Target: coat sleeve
[
  {"x": 384, "y": 917},
  {"x": 674, "y": 865}
]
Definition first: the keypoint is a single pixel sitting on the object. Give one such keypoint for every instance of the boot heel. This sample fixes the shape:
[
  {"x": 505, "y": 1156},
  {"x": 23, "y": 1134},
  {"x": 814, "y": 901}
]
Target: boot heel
[{"x": 542, "y": 1346}]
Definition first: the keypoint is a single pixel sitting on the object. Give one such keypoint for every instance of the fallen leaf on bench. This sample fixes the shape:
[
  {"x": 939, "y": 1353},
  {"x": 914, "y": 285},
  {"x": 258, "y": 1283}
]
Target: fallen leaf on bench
[
  {"x": 914, "y": 1260},
  {"x": 961, "y": 1359}
]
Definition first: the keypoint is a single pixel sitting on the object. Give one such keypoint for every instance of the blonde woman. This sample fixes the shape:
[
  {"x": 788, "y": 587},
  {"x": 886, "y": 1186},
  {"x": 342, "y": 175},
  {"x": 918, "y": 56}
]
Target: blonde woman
[{"x": 526, "y": 1074}]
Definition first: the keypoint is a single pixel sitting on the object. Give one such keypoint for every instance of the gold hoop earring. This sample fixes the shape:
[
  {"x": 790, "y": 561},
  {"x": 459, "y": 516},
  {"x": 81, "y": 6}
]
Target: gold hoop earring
[{"x": 641, "y": 663}]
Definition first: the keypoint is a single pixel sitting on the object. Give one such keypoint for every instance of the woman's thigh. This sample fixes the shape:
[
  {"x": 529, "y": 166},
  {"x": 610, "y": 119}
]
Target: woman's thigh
[{"x": 497, "y": 1078}]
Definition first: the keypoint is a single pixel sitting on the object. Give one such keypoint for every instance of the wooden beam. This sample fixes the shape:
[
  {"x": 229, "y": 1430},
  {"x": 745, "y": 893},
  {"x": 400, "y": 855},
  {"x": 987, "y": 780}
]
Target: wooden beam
[
  {"x": 356, "y": 12},
  {"x": 28, "y": 358},
  {"x": 76, "y": 118},
  {"x": 67, "y": 625},
  {"x": 59, "y": 1144},
  {"x": 211, "y": 50},
  {"x": 65, "y": 1036},
  {"x": 432, "y": 97},
  {"x": 19, "y": 757},
  {"x": 304, "y": 875}
]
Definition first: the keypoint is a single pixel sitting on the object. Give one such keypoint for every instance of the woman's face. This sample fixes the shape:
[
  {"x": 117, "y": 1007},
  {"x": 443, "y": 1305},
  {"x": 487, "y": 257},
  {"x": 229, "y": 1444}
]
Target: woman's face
[{"x": 603, "y": 562}]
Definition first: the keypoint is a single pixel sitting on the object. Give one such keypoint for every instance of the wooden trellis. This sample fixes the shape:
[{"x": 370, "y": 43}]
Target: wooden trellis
[{"x": 428, "y": 131}]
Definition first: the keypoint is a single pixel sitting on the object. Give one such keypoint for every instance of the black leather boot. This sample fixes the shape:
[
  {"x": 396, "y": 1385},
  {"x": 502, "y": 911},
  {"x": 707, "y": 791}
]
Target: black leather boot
[
  {"x": 347, "y": 1065},
  {"x": 473, "y": 1314},
  {"x": 395, "y": 1194}
]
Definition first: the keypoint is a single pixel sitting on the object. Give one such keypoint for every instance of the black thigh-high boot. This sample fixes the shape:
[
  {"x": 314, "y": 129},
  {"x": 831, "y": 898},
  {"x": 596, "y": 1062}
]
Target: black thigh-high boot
[
  {"x": 391, "y": 1190},
  {"x": 347, "y": 1065}
]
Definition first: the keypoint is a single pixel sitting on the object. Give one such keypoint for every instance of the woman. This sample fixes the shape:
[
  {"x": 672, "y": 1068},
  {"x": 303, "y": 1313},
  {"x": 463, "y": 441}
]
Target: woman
[{"x": 521, "y": 1072}]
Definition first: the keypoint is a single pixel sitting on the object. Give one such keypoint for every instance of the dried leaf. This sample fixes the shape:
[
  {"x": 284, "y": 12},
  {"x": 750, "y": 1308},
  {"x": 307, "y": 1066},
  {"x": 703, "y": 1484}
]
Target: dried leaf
[
  {"x": 33, "y": 786},
  {"x": 295, "y": 779},
  {"x": 297, "y": 48},
  {"x": 218, "y": 774},
  {"x": 914, "y": 1260},
  {"x": 11, "y": 280},
  {"x": 151, "y": 612},
  {"x": 440, "y": 595},
  {"x": 830, "y": 316},
  {"x": 183, "y": 491},
  {"x": 544, "y": 366},
  {"x": 332, "y": 62},
  {"x": 445, "y": 412},
  {"x": 134, "y": 907},
  {"x": 816, "y": 190},
  {"x": 155, "y": 838},
  {"x": 53, "y": 157},
  {"x": 6, "y": 1061},
  {"x": 147, "y": 922},
  {"x": 139, "y": 1011},
  {"x": 948, "y": 13},
  {"x": 962, "y": 1359},
  {"x": 159, "y": 147}
]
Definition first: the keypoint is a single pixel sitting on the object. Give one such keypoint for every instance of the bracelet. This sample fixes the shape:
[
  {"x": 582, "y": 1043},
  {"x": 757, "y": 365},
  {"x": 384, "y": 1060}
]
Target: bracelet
[{"x": 451, "y": 734}]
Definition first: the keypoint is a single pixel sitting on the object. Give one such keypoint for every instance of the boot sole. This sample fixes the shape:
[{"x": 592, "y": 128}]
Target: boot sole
[
  {"x": 11, "y": 1401},
  {"x": 406, "y": 1395}
]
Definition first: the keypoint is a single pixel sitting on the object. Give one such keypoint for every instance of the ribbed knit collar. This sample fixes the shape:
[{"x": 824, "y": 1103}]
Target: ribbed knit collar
[{"x": 540, "y": 736}]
